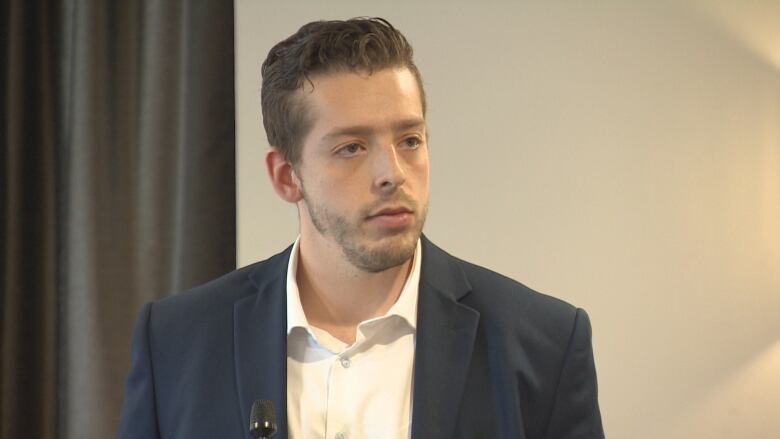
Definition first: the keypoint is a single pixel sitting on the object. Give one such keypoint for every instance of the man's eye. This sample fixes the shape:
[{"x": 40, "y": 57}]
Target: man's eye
[
  {"x": 348, "y": 150},
  {"x": 412, "y": 142}
]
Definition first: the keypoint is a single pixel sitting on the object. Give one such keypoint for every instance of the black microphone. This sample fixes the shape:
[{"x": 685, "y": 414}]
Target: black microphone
[{"x": 262, "y": 420}]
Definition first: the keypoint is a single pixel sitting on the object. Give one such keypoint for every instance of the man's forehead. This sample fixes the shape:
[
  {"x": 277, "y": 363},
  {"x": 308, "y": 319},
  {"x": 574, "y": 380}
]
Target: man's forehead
[
  {"x": 342, "y": 83},
  {"x": 310, "y": 80},
  {"x": 349, "y": 101}
]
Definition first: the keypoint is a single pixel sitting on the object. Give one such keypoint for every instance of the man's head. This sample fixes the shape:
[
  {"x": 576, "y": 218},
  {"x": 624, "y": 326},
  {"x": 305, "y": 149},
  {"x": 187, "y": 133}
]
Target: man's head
[
  {"x": 321, "y": 47},
  {"x": 349, "y": 140}
]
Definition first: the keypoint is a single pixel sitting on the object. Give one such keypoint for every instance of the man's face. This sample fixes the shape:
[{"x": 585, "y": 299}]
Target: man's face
[{"x": 364, "y": 166}]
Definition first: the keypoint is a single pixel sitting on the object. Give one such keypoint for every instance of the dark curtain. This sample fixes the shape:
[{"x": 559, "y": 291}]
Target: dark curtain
[{"x": 117, "y": 187}]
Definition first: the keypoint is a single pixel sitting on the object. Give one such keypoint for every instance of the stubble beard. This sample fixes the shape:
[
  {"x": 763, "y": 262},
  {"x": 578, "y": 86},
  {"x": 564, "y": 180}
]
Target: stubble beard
[{"x": 372, "y": 259}]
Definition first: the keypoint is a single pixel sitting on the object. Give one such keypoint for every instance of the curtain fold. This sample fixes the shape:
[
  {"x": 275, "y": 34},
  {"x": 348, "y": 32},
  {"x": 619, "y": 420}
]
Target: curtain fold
[
  {"x": 28, "y": 214},
  {"x": 118, "y": 188}
]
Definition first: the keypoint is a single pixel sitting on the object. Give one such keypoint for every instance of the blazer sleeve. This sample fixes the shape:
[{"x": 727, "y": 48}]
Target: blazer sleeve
[
  {"x": 139, "y": 414},
  {"x": 575, "y": 413}
]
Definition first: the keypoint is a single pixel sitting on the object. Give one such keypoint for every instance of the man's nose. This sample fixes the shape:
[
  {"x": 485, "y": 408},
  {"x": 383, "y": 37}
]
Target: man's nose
[{"x": 389, "y": 169}]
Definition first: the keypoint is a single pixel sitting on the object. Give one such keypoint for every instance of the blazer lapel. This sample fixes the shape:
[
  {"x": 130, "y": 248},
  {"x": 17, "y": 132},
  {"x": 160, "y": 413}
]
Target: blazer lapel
[
  {"x": 260, "y": 340},
  {"x": 446, "y": 330}
]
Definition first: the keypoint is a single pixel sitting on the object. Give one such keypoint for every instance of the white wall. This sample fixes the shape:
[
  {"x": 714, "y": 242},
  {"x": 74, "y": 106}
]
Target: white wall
[{"x": 625, "y": 158}]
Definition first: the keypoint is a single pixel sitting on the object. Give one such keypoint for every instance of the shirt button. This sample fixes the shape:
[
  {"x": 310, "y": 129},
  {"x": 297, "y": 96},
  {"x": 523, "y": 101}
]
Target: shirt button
[
  {"x": 345, "y": 363},
  {"x": 341, "y": 435}
]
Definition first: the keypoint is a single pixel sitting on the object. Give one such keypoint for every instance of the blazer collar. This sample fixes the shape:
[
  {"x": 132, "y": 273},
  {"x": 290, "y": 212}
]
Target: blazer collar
[
  {"x": 446, "y": 331},
  {"x": 260, "y": 341}
]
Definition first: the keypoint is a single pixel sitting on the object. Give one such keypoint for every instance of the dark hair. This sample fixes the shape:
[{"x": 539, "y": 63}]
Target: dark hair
[{"x": 359, "y": 44}]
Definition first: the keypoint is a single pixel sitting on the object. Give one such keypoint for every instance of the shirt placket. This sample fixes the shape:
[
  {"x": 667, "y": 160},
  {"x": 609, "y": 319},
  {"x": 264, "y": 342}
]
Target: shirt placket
[{"x": 337, "y": 419}]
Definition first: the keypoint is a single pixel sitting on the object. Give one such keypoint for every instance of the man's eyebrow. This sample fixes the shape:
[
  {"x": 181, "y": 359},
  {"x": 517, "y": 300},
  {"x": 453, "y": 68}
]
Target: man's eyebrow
[{"x": 366, "y": 130}]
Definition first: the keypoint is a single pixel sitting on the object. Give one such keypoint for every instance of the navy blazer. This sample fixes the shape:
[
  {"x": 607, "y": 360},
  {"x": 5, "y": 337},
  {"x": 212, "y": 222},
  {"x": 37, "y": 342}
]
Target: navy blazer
[{"x": 493, "y": 358}]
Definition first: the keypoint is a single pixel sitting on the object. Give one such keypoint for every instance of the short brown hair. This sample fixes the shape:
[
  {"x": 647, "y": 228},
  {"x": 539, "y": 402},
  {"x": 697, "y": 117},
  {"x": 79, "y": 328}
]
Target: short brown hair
[{"x": 359, "y": 44}]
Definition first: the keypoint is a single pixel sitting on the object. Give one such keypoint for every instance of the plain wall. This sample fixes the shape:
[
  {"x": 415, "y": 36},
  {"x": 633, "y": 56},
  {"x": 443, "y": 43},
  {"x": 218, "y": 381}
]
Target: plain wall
[{"x": 623, "y": 156}]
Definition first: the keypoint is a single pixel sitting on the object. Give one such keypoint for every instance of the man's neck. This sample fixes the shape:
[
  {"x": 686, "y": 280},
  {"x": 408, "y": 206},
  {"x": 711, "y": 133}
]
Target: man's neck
[{"x": 336, "y": 296}]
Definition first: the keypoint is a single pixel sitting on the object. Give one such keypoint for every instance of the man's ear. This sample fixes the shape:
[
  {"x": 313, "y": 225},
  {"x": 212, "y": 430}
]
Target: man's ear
[{"x": 283, "y": 178}]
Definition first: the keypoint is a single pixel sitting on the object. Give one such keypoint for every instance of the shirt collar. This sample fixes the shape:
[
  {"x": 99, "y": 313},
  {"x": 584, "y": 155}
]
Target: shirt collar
[{"x": 405, "y": 307}]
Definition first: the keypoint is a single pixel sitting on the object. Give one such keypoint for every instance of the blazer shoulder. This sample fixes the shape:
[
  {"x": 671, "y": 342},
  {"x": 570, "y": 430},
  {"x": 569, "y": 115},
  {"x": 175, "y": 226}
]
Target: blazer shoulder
[
  {"x": 216, "y": 297},
  {"x": 505, "y": 303},
  {"x": 497, "y": 288},
  {"x": 545, "y": 326}
]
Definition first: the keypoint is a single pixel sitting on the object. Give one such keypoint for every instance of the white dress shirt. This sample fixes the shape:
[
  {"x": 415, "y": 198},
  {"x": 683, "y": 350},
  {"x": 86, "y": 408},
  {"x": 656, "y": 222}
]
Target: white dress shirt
[{"x": 363, "y": 390}]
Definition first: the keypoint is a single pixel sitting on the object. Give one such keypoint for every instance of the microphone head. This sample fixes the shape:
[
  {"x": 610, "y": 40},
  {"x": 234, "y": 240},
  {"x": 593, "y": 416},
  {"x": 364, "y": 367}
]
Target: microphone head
[{"x": 262, "y": 419}]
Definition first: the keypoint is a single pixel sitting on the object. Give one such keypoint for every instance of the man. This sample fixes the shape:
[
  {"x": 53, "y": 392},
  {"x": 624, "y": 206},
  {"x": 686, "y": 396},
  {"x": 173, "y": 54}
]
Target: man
[{"x": 362, "y": 328}]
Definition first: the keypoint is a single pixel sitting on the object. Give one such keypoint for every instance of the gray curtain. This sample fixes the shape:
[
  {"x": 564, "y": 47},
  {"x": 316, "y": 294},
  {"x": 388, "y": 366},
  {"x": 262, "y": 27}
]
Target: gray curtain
[{"x": 118, "y": 187}]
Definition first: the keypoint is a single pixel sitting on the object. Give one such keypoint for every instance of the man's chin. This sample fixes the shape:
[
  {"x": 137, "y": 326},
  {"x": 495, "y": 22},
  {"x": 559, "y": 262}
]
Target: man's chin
[{"x": 384, "y": 253}]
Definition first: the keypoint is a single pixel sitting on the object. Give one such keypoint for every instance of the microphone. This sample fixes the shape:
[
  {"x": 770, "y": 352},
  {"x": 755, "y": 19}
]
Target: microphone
[{"x": 262, "y": 420}]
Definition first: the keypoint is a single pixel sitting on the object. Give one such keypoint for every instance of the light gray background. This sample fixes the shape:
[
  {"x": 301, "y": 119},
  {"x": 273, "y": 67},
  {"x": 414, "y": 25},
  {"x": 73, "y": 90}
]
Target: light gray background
[{"x": 623, "y": 156}]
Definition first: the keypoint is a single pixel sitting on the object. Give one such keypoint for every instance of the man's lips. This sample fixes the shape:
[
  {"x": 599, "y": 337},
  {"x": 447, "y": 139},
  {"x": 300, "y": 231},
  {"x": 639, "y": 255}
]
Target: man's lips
[
  {"x": 390, "y": 211},
  {"x": 392, "y": 217}
]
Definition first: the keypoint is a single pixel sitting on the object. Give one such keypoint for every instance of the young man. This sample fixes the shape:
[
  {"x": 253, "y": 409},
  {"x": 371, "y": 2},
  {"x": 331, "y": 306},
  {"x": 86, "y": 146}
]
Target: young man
[{"x": 362, "y": 328}]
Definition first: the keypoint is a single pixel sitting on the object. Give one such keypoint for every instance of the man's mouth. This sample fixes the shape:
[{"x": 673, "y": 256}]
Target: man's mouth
[
  {"x": 390, "y": 211},
  {"x": 392, "y": 217}
]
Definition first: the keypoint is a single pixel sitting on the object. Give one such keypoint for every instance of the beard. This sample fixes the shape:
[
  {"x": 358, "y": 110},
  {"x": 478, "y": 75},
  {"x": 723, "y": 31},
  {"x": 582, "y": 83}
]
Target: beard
[{"x": 366, "y": 252}]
